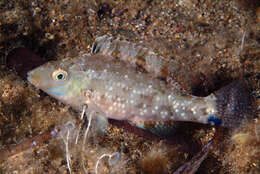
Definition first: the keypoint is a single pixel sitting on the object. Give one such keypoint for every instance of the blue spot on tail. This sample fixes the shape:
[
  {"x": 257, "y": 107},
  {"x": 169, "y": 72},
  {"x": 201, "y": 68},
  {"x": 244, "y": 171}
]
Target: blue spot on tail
[{"x": 214, "y": 120}]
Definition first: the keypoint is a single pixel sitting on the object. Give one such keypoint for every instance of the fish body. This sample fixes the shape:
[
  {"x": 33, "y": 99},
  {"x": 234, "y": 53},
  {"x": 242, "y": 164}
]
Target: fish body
[{"x": 120, "y": 91}]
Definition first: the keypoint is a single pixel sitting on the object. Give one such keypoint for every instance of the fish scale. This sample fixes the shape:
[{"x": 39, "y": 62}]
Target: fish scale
[
  {"x": 123, "y": 81},
  {"x": 118, "y": 90}
]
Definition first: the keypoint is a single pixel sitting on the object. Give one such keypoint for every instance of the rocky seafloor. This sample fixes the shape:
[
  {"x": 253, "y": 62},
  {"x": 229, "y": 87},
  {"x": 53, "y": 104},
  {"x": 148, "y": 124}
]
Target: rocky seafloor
[{"x": 210, "y": 43}]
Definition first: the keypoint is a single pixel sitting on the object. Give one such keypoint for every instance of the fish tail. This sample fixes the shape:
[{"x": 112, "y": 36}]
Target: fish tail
[{"x": 233, "y": 103}]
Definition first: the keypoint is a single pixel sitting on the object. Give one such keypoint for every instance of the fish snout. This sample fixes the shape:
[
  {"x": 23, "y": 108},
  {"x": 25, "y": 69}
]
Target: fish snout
[{"x": 32, "y": 79}]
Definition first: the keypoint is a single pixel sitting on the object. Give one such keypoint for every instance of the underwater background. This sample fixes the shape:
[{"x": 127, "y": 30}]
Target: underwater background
[{"x": 208, "y": 43}]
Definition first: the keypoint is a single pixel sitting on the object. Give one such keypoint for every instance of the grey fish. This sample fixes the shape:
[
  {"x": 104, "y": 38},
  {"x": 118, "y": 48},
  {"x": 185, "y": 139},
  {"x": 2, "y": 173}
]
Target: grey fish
[{"x": 118, "y": 90}]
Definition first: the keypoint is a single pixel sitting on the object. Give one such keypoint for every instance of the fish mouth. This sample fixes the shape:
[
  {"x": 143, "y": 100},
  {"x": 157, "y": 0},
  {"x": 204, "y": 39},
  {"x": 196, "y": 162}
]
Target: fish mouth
[{"x": 31, "y": 79}]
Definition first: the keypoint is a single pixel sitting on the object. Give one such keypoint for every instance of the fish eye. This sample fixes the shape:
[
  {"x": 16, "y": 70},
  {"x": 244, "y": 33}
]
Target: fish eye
[{"x": 59, "y": 75}]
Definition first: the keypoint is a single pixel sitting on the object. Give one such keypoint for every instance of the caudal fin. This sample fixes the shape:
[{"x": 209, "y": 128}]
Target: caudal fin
[{"x": 233, "y": 103}]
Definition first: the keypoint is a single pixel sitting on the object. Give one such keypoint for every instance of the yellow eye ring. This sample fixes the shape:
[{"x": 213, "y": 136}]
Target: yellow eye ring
[{"x": 59, "y": 75}]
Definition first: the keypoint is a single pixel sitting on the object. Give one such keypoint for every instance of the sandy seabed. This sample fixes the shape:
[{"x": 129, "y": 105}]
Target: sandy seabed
[{"x": 209, "y": 42}]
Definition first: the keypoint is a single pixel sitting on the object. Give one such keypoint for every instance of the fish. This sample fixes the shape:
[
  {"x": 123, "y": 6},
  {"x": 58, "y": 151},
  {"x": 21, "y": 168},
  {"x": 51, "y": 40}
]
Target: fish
[{"x": 115, "y": 89}]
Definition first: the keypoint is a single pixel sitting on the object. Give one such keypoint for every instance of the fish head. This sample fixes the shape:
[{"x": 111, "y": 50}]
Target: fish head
[{"x": 61, "y": 80}]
